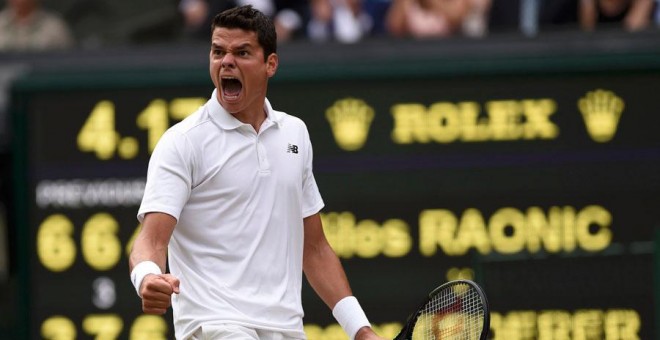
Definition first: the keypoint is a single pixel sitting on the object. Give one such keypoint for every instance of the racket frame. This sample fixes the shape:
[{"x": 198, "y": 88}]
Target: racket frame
[{"x": 407, "y": 330}]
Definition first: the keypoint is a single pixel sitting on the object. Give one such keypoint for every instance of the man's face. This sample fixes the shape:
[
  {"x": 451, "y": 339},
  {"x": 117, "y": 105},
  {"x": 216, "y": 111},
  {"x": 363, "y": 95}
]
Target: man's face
[{"x": 238, "y": 70}]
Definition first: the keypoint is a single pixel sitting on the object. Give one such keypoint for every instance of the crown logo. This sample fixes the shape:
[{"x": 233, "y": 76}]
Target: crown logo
[
  {"x": 350, "y": 120},
  {"x": 601, "y": 111}
]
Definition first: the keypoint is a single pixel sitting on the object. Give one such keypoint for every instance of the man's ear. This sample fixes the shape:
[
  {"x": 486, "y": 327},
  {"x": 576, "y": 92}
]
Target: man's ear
[{"x": 271, "y": 64}]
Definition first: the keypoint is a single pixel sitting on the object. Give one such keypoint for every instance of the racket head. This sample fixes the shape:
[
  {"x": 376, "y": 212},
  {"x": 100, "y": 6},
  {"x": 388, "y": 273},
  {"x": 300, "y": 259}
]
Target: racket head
[{"x": 456, "y": 310}]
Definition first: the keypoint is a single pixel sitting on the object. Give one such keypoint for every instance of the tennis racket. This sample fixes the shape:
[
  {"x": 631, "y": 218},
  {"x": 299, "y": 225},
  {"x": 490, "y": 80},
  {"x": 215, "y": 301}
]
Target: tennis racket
[{"x": 457, "y": 310}]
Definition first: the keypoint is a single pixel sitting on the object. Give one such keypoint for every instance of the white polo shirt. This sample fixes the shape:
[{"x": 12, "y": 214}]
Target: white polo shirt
[{"x": 239, "y": 198}]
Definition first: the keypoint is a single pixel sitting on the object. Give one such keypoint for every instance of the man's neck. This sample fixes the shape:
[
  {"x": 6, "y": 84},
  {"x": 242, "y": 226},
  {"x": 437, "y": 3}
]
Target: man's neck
[{"x": 256, "y": 120}]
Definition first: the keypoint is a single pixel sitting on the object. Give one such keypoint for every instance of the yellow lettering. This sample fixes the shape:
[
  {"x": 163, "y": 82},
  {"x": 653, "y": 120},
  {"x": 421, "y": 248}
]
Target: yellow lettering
[
  {"x": 58, "y": 328},
  {"x": 398, "y": 241},
  {"x": 554, "y": 325},
  {"x": 154, "y": 119},
  {"x": 388, "y": 330},
  {"x": 149, "y": 327},
  {"x": 475, "y": 129},
  {"x": 622, "y": 325},
  {"x": 544, "y": 230},
  {"x": 55, "y": 245},
  {"x": 98, "y": 134},
  {"x": 335, "y": 332},
  {"x": 598, "y": 217},
  {"x": 409, "y": 124},
  {"x": 181, "y": 108},
  {"x": 313, "y": 331},
  {"x": 444, "y": 124},
  {"x": 510, "y": 230},
  {"x": 507, "y": 230},
  {"x": 437, "y": 228},
  {"x": 103, "y": 326},
  {"x": 589, "y": 324},
  {"x": 505, "y": 119},
  {"x": 517, "y": 325},
  {"x": 459, "y": 274},
  {"x": 586, "y": 324},
  {"x": 472, "y": 232},
  {"x": 568, "y": 217},
  {"x": 537, "y": 114},
  {"x": 366, "y": 239},
  {"x": 101, "y": 247}
]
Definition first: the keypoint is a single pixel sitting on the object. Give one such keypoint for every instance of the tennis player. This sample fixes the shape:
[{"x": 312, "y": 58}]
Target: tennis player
[{"x": 231, "y": 205}]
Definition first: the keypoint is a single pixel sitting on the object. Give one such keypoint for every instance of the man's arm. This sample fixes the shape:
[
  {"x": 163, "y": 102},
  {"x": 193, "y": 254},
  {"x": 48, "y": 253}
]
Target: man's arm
[
  {"x": 324, "y": 271},
  {"x": 150, "y": 247}
]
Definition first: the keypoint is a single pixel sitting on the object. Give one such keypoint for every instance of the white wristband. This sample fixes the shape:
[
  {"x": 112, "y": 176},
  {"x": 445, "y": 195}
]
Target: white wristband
[
  {"x": 141, "y": 270},
  {"x": 350, "y": 316}
]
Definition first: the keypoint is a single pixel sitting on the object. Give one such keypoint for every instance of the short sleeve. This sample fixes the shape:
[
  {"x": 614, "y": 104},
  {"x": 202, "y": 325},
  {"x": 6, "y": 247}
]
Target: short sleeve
[
  {"x": 169, "y": 176},
  {"x": 312, "y": 201}
]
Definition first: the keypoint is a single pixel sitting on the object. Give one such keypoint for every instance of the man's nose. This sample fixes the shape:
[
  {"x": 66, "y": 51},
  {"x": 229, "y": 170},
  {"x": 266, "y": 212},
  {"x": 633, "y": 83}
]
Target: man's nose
[{"x": 228, "y": 60}]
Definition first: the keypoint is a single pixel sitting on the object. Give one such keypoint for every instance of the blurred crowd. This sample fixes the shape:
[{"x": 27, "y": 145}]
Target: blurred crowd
[{"x": 32, "y": 25}]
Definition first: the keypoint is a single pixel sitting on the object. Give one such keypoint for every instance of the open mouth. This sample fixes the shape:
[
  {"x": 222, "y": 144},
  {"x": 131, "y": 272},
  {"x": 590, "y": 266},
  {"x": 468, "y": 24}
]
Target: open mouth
[{"x": 231, "y": 87}]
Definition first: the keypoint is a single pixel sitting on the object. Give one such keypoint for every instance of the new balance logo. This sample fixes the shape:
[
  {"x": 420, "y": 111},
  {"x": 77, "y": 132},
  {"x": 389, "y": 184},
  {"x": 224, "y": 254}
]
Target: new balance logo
[{"x": 292, "y": 148}]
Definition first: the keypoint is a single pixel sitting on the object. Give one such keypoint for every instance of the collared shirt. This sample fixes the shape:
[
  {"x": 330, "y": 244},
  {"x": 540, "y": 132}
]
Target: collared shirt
[{"x": 239, "y": 198}]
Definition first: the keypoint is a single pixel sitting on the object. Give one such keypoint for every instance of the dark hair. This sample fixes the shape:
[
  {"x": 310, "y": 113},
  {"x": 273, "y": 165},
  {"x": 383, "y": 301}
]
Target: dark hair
[{"x": 249, "y": 19}]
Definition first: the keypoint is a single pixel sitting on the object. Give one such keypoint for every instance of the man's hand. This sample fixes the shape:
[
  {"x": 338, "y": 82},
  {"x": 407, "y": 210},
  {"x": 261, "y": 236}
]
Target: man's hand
[
  {"x": 366, "y": 333},
  {"x": 156, "y": 292}
]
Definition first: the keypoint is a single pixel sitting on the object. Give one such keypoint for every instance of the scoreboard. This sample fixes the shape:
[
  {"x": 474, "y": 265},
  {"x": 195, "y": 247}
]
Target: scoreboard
[{"x": 543, "y": 187}]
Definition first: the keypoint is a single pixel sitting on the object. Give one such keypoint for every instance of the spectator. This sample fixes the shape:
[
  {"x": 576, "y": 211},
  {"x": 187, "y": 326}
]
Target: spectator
[
  {"x": 289, "y": 16},
  {"x": 341, "y": 20},
  {"x": 438, "y": 18},
  {"x": 198, "y": 14},
  {"x": 633, "y": 15},
  {"x": 25, "y": 25}
]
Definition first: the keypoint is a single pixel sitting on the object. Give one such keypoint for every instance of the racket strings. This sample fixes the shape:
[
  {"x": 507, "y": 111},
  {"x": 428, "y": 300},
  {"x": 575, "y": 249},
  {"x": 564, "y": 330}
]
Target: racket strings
[{"x": 455, "y": 313}]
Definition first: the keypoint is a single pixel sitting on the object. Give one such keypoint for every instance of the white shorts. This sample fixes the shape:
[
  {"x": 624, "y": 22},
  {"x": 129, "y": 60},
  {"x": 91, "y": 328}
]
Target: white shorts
[{"x": 236, "y": 332}]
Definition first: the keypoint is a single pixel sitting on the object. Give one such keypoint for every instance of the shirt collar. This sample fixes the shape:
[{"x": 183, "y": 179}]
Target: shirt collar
[{"x": 228, "y": 122}]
